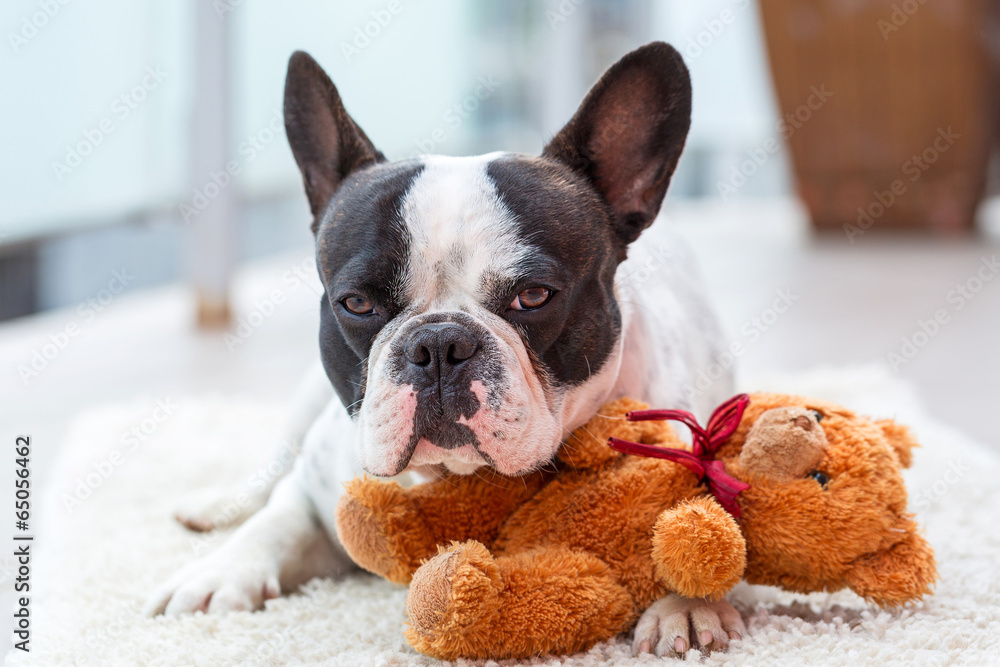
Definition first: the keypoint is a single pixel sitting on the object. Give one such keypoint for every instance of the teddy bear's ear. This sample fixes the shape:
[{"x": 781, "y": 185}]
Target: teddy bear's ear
[
  {"x": 900, "y": 438},
  {"x": 896, "y": 575}
]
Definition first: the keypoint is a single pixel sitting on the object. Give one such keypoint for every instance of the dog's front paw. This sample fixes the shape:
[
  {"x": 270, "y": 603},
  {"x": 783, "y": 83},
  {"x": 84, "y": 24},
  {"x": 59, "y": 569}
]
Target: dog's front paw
[
  {"x": 674, "y": 624},
  {"x": 218, "y": 583}
]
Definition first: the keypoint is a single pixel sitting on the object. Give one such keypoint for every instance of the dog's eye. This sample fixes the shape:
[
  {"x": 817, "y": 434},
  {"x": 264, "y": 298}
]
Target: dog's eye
[
  {"x": 358, "y": 305},
  {"x": 817, "y": 414},
  {"x": 531, "y": 298},
  {"x": 821, "y": 478}
]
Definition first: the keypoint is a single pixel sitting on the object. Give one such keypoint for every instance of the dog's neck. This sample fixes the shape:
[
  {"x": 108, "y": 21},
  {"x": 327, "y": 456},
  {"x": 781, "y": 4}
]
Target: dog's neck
[{"x": 624, "y": 373}]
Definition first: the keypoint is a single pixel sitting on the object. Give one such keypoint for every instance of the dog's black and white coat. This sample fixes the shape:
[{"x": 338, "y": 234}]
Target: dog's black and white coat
[{"x": 475, "y": 311}]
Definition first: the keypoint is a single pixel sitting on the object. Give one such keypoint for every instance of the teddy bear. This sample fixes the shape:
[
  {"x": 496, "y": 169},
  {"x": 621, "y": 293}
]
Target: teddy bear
[{"x": 777, "y": 489}]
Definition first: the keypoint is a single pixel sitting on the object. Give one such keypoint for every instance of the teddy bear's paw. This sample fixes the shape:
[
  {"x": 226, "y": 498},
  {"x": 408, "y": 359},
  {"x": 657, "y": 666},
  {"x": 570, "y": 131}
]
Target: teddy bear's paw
[
  {"x": 698, "y": 549},
  {"x": 363, "y": 536},
  {"x": 454, "y": 594},
  {"x": 378, "y": 530},
  {"x": 674, "y": 624}
]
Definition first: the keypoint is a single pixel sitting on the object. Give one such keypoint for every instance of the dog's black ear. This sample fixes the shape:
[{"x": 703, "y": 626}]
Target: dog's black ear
[
  {"x": 628, "y": 134},
  {"x": 328, "y": 145}
]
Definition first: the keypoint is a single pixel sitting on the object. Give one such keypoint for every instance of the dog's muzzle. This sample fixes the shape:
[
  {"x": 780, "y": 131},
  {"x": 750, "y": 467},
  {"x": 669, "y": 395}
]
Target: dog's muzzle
[
  {"x": 436, "y": 353},
  {"x": 447, "y": 389},
  {"x": 442, "y": 359}
]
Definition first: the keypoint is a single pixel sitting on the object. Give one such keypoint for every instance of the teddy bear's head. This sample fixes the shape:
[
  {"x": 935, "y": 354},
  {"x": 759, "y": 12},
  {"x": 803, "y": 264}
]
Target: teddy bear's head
[{"x": 826, "y": 507}]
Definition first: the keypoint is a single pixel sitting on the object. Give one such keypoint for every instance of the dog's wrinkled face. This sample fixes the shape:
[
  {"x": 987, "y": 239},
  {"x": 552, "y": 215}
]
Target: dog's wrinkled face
[
  {"x": 463, "y": 331},
  {"x": 469, "y": 317}
]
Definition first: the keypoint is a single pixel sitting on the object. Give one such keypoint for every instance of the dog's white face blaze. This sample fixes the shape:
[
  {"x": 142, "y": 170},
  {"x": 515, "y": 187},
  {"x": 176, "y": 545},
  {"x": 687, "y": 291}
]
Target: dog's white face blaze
[{"x": 462, "y": 236}]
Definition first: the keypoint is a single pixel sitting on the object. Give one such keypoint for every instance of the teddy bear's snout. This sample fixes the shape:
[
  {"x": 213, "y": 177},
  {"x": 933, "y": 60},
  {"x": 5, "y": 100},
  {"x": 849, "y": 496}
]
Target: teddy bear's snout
[
  {"x": 785, "y": 444},
  {"x": 803, "y": 422}
]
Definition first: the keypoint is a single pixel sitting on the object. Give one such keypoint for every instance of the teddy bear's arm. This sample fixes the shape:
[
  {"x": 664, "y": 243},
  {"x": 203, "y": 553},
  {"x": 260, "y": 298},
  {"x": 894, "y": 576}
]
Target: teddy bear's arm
[
  {"x": 389, "y": 530},
  {"x": 898, "y": 574},
  {"x": 698, "y": 549}
]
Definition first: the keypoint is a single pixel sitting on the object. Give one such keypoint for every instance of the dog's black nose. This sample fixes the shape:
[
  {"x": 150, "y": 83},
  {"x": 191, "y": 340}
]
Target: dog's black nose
[{"x": 440, "y": 346}]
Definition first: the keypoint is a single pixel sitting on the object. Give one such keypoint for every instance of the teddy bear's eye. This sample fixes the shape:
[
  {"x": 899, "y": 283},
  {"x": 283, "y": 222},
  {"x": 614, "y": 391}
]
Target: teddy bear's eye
[
  {"x": 817, "y": 414},
  {"x": 821, "y": 478}
]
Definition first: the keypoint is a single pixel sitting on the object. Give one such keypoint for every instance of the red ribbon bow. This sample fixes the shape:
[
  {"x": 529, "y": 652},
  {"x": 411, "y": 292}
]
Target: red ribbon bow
[{"x": 701, "y": 461}]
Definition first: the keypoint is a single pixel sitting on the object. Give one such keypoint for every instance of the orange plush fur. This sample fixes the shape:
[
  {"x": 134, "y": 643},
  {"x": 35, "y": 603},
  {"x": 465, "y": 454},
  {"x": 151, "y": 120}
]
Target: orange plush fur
[{"x": 559, "y": 560}]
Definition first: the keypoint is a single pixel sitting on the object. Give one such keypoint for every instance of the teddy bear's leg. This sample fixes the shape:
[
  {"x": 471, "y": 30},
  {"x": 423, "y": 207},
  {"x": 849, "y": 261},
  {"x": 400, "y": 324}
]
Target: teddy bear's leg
[
  {"x": 464, "y": 603},
  {"x": 699, "y": 549},
  {"x": 389, "y": 530}
]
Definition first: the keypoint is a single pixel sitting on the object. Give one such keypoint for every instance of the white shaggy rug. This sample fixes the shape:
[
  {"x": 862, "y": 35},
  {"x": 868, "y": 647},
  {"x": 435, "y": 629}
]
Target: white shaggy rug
[{"x": 95, "y": 564}]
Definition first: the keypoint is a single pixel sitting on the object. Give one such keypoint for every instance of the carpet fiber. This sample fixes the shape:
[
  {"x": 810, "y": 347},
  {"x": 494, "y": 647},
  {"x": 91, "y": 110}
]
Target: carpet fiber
[{"x": 95, "y": 562}]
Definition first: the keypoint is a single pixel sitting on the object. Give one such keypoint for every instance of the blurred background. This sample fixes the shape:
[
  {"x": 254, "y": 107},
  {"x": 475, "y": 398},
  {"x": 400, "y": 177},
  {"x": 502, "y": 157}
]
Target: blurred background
[
  {"x": 102, "y": 159},
  {"x": 836, "y": 186}
]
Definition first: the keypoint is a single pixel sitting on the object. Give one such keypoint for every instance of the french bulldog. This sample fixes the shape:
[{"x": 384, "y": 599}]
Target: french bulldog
[{"x": 476, "y": 311}]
